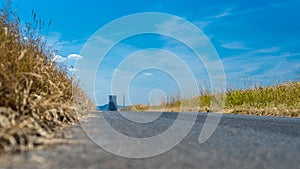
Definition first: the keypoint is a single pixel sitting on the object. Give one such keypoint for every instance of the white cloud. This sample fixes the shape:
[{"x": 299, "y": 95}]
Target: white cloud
[
  {"x": 287, "y": 55},
  {"x": 266, "y": 62},
  {"x": 75, "y": 56},
  {"x": 178, "y": 28},
  {"x": 234, "y": 45},
  {"x": 227, "y": 12},
  {"x": 58, "y": 58},
  {"x": 202, "y": 24},
  {"x": 268, "y": 50},
  {"x": 205, "y": 22},
  {"x": 71, "y": 57}
]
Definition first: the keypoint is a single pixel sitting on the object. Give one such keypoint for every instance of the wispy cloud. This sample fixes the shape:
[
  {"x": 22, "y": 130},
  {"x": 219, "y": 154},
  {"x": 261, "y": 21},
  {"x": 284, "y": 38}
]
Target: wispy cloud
[
  {"x": 205, "y": 22},
  {"x": 288, "y": 54},
  {"x": 265, "y": 62},
  {"x": 54, "y": 40},
  {"x": 177, "y": 28},
  {"x": 234, "y": 45},
  {"x": 266, "y": 50},
  {"x": 202, "y": 24},
  {"x": 227, "y": 12},
  {"x": 63, "y": 47},
  {"x": 71, "y": 57}
]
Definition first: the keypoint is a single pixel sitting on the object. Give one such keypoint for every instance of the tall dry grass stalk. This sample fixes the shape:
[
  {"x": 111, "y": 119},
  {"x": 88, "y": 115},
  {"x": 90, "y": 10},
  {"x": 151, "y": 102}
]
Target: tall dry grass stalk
[{"x": 35, "y": 93}]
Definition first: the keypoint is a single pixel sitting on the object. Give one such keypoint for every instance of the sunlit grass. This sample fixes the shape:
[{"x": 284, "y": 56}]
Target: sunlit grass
[
  {"x": 278, "y": 100},
  {"x": 35, "y": 93}
]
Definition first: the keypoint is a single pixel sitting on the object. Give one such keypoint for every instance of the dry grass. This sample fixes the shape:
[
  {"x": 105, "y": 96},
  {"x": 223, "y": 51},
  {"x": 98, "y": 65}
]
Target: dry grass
[
  {"x": 35, "y": 93},
  {"x": 137, "y": 107}
]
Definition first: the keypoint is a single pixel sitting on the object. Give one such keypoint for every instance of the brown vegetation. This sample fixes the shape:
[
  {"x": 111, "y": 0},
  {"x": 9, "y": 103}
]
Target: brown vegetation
[{"x": 36, "y": 97}]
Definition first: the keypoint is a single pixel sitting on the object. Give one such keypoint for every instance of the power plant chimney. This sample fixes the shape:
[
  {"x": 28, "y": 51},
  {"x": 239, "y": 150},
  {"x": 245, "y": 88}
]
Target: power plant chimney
[{"x": 112, "y": 104}]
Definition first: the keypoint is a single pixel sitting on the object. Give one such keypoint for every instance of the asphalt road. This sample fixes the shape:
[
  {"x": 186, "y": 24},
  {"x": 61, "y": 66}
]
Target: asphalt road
[{"x": 239, "y": 142}]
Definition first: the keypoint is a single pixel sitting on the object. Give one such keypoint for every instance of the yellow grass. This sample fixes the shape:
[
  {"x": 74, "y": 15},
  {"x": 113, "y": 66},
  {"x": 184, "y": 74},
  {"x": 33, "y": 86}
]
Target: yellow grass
[{"x": 36, "y": 97}]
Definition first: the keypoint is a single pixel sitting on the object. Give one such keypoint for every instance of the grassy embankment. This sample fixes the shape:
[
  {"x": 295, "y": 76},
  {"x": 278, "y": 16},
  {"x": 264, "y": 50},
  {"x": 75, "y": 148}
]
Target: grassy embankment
[
  {"x": 36, "y": 99},
  {"x": 279, "y": 100}
]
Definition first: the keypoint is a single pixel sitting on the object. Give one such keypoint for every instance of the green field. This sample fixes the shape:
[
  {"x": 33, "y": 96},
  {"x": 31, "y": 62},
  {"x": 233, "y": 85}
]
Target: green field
[{"x": 279, "y": 100}]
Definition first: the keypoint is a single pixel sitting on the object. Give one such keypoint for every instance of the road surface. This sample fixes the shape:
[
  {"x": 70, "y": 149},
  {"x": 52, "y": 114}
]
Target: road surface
[{"x": 239, "y": 142}]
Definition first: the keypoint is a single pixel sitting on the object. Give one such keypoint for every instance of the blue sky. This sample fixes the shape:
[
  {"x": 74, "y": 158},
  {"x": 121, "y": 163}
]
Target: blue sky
[{"x": 256, "y": 39}]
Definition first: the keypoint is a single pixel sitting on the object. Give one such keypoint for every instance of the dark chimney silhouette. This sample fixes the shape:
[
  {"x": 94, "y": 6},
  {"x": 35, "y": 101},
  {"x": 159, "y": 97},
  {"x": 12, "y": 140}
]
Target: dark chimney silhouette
[{"x": 112, "y": 104}]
